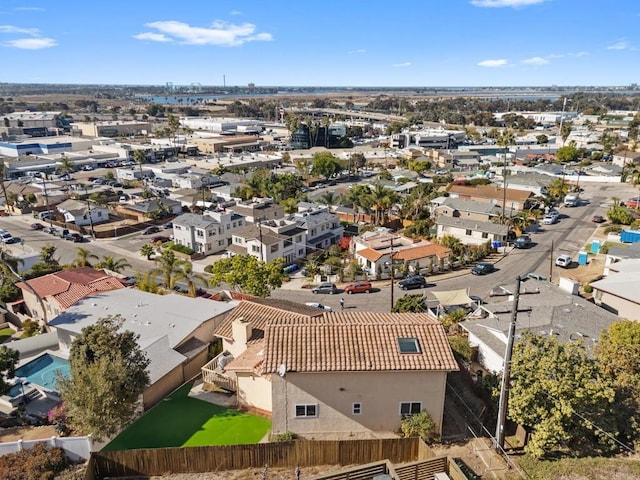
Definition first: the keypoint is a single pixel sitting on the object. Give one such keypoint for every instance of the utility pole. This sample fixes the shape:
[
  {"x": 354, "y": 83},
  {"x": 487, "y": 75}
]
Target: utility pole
[
  {"x": 86, "y": 192},
  {"x": 259, "y": 219},
  {"x": 392, "y": 270},
  {"x": 46, "y": 199},
  {"x": 551, "y": 262},
  {"x": 506, "y": 372}
]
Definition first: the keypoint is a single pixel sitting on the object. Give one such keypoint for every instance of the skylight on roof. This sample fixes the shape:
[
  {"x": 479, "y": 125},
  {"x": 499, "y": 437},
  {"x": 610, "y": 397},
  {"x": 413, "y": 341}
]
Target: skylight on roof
[{"x": 409, "y": 345}]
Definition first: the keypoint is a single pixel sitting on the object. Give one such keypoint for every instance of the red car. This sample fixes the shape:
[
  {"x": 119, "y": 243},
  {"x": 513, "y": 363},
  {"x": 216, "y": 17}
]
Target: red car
[
  {"x": 633, "y": 202},
  {"x": 358, "y": 287},
  {"x": 37, "y": 226},
  {"x": 160, "y": 239}
]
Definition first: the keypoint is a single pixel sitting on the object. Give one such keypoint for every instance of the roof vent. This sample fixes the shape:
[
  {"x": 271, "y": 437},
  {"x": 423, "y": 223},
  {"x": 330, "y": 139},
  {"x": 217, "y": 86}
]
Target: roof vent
[
  {"x": 243, "y": 320},
  {"x": 106, "y": 307},
  {"x": 94, "y": 304},
  {"x": 147, "y": 323}
]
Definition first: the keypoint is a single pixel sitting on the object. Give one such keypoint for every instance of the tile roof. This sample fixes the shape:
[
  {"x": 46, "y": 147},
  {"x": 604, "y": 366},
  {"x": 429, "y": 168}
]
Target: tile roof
[
  {"x": 371, "y": 254},
  {"x": 423, "y": 251},
  {"x": 490, "y": 191},
  {"x": 356, "y": 341},
  {"x": 249, "y": 360},
  {"x": 69, "y": 286}
]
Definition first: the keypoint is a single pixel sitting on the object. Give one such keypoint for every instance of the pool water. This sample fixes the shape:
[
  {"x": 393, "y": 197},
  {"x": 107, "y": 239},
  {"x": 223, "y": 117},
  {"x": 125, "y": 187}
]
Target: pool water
[{"x": 42, "y": 371}]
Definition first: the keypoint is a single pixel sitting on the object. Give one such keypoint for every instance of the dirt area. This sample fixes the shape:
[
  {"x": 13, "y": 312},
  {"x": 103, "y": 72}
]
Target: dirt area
[{"x": 13, "y": 434}]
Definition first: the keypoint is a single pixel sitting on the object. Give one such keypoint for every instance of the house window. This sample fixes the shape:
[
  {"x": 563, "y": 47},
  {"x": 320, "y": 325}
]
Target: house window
[
  {"x": 99, "y": 213},
  {"x": 356, "y": 409},
  {"x": 274, "y": 248},
  {"x": 255, "y": 248},
  {"x": 410, "y": 408},
  {"x": 307, "y": 410},
  {"x": 468, "y": 232},
  {"x": 234, "y": 224},
  {"x": 299, "y": 238},
  {"x": 485, "y": 235},
  {"x": 287, "y": 243},
  {"x": 409, "y": 345},
  {"x": 199, "y": 233}
]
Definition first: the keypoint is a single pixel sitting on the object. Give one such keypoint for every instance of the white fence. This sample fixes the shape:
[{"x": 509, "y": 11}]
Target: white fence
[{"x": 76, "y": 448}]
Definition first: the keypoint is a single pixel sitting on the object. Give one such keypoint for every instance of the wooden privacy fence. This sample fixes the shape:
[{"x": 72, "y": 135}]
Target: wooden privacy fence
[{"x": 302, "y": 453}]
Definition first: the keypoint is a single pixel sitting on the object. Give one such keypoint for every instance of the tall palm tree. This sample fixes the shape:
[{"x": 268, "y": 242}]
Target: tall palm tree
[
  {"x": 382, "y": 199},
  {"x": 4, "y": 188},
  {"x": 138, "y": 157},
  {"x": 186, "y": 273},
  {"x": 505, "y": 140},
  {"x": 147, "y": 250},
  {"x": 329, "y": 199},
  {"x": 66, "y": 168},
  {"x": 635, "y": 178},
  {"x": 169, "y": 266},
  {"x": 83, "y": 257},
  {"x": 110, "y": 263}
]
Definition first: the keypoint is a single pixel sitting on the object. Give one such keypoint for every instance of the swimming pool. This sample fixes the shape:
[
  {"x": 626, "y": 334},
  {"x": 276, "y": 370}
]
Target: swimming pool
[{"x": 42, "y": 371}]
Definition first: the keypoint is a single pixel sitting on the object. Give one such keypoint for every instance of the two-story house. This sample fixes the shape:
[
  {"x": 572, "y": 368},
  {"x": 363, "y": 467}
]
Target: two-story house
[
  {"x": 207, "y": 234},
  {"x": 258, "y": 209},
  {"x": 322, "y": 227},
  {"x": 270, "y": 240}
]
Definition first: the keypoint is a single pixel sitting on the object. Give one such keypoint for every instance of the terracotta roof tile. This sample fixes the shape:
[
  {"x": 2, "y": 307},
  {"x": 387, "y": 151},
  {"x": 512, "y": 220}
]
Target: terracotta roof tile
[
  {"x": 422, "y": 251},
  {"x": 250, "y": 360},
  {"x": 371, "y": 254},
  {"x": 356, "y": 341},
  {"x": 489, "y": 191}
]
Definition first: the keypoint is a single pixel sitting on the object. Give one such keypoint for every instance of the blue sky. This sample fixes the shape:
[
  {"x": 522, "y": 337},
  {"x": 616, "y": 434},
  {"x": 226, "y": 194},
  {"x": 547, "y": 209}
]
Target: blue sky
[{"x": 326, "y": 43}]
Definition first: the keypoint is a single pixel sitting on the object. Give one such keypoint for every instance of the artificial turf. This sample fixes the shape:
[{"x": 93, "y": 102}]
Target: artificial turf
[{"x": 181, "y": 421}]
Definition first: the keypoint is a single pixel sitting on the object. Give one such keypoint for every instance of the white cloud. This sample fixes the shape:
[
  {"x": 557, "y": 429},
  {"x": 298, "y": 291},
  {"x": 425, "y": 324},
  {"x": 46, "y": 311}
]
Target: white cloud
[
  {"x": 154, "y": 37},
  {"x": 14, "y": 29},
  {"x": 31, "y": 43},
  {"x": 621, "y": 45},
  {"x": 493, "y": 63},
  {"x": 219, "y": 33},
  {"x": 358, "y": 50},
  {"x": 504, "y": 3},
  {"x": 535, "y": 61},
  {"x": 235, "y": 13},
  {"x": 30, "y": 9},
  {"x": 582, "y": 54},
  {"x": 405, "y": 64}
]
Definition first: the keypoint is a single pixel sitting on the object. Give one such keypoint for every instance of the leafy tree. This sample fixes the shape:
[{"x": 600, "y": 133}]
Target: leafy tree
[
  {"x": 618, "y": 354},
  {"x": 248, "y": 274},
  {"x": 619, "y": 215},
  {"x": 410, "y": 303},
  {"x": 567, "y": 153},
  {"x": 147, "y": 282},
  {"x": 112, "y": 264},
  {"x": 108, "y": 374},
  {"x": 84, "y": 257},
  {"x": 542, "y": 139},
  {"x": 8, "y": 361},
  {"x": 558, "y": 188},
  {"x": 290, "y": 205},
  {"x": 147, "y": 250},
  {"x": 419, "y": 166},
  {"x": 558, "y": 391},
  {"x": 325, "y": 164}
]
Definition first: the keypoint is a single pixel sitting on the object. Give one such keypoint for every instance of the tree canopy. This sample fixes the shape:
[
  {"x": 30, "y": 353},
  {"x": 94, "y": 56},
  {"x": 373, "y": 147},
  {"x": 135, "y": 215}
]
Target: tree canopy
[
  {"x": 108, "y": 374},
  {"x": 248, "y": 274},
  {"x": 8, "y": 361},
  {"x": 325, "y": 164}
]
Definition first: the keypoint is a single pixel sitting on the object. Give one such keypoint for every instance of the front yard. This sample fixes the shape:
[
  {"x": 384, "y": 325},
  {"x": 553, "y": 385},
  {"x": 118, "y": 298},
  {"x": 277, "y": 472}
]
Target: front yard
[{"x": 182, "y": 421}]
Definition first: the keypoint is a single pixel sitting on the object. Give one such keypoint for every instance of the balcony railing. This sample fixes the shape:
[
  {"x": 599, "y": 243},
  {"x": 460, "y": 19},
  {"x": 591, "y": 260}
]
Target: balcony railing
[{"x": 214, "y": 375}]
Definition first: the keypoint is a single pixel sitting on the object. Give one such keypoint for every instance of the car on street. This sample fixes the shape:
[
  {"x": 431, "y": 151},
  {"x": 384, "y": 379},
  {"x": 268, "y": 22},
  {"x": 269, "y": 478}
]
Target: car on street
[
  {"x": 523, "y": 241},
  {"x": 598, "y": 219},
  {"x": 5, "y": 237},
  {"x": 150, "y": 230},
  {"x": 74, "y": 237},
  {"x": 326, "y": 308},
  {"x": 415, "y": 281},
  {"x": 160, "y": 239},
  {"x": 36, "y": 226},
  {"x": 483, "y": 269},
  {"x": 325, "y": 287},
  {"x": 358, "y": 287},
  {"x": 14, "y": 240},
  {"x": 564, "y": 261},
  {"x": 550, "y": 218},
  {"x": 633, "y": 202}
]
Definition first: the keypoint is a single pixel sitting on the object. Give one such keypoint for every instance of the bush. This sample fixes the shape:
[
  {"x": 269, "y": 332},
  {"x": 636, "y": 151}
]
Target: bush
[
  {"x": 460, "y": 346},
  {"x": 283, "y": 437},
  {"x": 419, "y": 425},
  {"x": 30, "y": 328},
  {"x": 182, "y": 249},
  {"x": 588, "y": 289},
  {"x": 208, "y": 268},
  {"x": 37, "y": 463}
]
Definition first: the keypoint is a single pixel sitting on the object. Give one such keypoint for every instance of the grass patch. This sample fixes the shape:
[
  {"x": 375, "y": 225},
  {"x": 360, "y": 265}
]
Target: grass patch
[
  {"x": 588, "y": 468},
  {"x": 5, "y": 334},
  {"x": 181, "y": 421}
]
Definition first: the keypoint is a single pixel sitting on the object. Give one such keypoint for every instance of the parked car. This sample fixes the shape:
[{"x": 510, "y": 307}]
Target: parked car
[
  {"x": 150, "y": 230},
  {"x": 36, "y": 226},
  {"x": 325, "y": 287},
  {"x": 483, "y": 269},
  {"x": 160, "y": 239},
  {"x": 51, "y": 230},
  {"x": 523, "y": 241},
  {"x": 358, "y": 287},
  {"x": 564, "y": 261},
  {"x": 13, "y": 240},
  {"x": 5, "y": 237},
  {"x": 415, "y": 281},
  {"x": 74, "y": 237},
  {"x": 550, "y": 219},
  {"x": 320, "y": 306},
  {"x": 598, "y": 219},
  {"x": 633, "y": 202},
  {"x": 168, "y": 225}
]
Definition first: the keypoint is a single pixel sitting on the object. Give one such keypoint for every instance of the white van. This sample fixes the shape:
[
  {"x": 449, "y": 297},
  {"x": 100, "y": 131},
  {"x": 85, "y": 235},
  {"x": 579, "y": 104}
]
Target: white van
[{"x": 46, "y": 214}]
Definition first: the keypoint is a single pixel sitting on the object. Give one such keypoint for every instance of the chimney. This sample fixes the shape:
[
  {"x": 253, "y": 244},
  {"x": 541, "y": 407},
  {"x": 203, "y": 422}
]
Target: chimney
[{"x": 242, "y": 331}]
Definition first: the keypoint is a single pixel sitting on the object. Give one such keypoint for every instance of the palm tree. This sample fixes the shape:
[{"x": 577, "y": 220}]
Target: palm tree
[
  {"x": 169, "y": 266},
  {"x": 635, "y": 178},
  {"x": 83, "y": 257},
  {"x": 329, "y": 199},
  {"x": 186, "y": 273},
  {"x": 506, "y": 139},
  {"x": 47, "y": 253},
  {"x": 382, "y": 199},
  {"x": 147, "y": 250},
  {"x": 111, "y": 264},
  {"x": 4, "y": 188},
  {"x": 66, "y": 168},
  {"x": 558, "y": 188},
  {"x": 138, "y": 157}
]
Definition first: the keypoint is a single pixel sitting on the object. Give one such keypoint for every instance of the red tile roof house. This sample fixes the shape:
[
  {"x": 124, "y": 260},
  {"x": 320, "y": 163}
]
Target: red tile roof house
[
  {"x": 62, "y": 289},
  {"x": 327, "y": 374}
]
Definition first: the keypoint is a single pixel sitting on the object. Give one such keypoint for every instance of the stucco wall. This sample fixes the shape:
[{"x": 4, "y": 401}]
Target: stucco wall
[
  {"x": 623, "y": 308},
  {"x": 492, "y": 361},
  {"x": 156, "y": 392},
  {"x": 254, "y": 391},
  {"x": 379, "y": 394}
]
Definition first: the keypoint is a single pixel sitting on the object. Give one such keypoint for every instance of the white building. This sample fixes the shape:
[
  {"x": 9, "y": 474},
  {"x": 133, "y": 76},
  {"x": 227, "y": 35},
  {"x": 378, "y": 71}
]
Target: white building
[
  {"x": 207, "y": 234},
  {"x": 322, "y": 227},
  {"x": 81, "y": 213},
  {"x": 271, "y": 240}
]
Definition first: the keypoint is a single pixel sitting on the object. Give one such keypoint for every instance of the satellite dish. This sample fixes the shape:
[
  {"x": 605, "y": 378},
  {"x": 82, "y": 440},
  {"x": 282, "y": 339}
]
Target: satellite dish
[{"x": 282, "y": 370}]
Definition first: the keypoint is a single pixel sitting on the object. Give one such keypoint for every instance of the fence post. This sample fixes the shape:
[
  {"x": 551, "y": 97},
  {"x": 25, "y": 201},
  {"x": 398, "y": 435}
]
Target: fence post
[{"x": 20, "y": 446}]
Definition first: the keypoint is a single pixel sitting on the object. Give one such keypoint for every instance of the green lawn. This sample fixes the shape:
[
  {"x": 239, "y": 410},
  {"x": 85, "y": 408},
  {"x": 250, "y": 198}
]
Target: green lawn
[
  {"x": 180, "y": 421},
  {"x": 5, "y": 333}
]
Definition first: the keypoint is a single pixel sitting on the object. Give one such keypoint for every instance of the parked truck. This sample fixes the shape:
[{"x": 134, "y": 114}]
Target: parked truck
[{"x": 571, "y": 200}]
